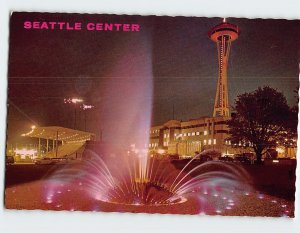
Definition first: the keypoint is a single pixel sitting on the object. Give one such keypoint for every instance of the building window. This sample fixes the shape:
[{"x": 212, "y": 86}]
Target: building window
[
  {"x": 193, "y": 133},
  {"x": 215, "y": 141},
  {"x": 184, "y": 134},
  {"x": 189, "y": 134},
  {"x": 204, "y": 142},
  {"x": 197, "y": 133},
  {"x": 165, "y": 135},
  {"x": 205, "y": 132},
  {"x": 209, "y": 141}
]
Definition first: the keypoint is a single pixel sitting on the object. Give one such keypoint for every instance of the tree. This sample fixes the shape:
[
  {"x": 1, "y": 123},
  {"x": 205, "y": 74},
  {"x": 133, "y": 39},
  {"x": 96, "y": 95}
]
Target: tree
[{"x": 262, "y": 120}]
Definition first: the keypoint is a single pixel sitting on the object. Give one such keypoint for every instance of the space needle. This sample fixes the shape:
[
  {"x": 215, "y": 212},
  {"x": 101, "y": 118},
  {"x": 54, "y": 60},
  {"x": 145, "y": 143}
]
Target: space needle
[{"x": 223, "y": 34}]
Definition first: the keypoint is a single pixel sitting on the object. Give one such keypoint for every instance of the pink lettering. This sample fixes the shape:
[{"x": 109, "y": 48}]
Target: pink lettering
[
  {"x": 61, "y": 25},
  {"x": 135, "y": 27},
  {"x": 99, "y": 26},
  {"x": 77, "y": 26},
  {"x": 36, "y": 25},
  {"x": 126, "y": 27},
  {"x": 108, "y": 27},
  {"x": 69, "y": 27},
  {"x": 44, "y": 25},
  {"x": 52, "y": 25},
  {"x": 27, "y": 25},
  {"x": 118, "y": 25},
  {"x": 90, "y": 26}
]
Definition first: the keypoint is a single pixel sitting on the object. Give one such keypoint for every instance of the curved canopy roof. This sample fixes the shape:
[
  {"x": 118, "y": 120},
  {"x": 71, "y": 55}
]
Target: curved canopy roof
[{"x": 59, "y": 133}]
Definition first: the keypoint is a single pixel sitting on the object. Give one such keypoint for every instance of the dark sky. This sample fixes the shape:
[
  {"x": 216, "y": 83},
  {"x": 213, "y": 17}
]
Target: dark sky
[{"x": 45, "y": 66}]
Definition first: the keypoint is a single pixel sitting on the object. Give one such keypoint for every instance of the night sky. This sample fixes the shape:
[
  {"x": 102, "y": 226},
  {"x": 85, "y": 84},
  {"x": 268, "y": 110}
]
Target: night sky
[{"x": 46, "y": 66}]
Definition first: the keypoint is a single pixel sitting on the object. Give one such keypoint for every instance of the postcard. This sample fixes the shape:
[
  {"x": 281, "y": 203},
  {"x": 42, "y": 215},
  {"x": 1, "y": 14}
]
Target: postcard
[{"x": 152, "y": 114}]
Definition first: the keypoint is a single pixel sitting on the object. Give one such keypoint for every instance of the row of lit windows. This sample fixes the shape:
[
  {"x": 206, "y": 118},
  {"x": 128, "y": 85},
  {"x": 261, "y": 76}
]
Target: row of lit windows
[
  {"x": 152, "y": 145},
  {"x": 205, "y": 142},
  {"x": 154, "y": 131},
  {"x": 209, "y": 142},
  {"x": 193, "y": 134},
  {"x": 187, "y": 134},
  {"x": 227, "y": 142}
]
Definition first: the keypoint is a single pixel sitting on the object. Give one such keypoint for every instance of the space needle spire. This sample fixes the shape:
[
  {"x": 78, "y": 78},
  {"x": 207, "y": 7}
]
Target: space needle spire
[{"x": 223, "y": 34}]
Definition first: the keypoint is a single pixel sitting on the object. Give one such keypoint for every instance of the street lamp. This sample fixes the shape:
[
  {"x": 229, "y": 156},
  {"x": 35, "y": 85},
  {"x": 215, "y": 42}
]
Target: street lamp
[
  {"x": 85, "y": 107},
  {"x": 74, "y": 101}
]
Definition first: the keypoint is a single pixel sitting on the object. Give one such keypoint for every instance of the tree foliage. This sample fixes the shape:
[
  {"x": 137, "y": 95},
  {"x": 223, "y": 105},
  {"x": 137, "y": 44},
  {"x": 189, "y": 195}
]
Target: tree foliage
[{"x": 262, "y": 120}]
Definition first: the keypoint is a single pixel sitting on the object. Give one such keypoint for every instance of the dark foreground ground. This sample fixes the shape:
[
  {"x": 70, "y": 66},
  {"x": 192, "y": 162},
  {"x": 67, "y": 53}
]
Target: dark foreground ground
[{"x": 273, "y": 194}]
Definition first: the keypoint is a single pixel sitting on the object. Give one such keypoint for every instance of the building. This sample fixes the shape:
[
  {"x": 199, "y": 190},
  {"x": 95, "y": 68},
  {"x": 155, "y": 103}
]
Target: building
[
  {"x": 57, "y": 142},
  {"x": 185, "y": 138}
]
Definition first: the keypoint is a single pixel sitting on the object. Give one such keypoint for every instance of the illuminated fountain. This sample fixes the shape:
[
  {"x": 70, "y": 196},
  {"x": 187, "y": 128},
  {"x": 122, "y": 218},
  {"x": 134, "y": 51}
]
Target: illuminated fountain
[{"x": 213, "y": 185}]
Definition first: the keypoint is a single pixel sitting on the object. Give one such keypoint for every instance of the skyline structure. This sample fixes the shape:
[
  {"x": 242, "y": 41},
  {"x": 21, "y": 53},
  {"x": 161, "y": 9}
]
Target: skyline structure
[{"x": 223, "y": 34}]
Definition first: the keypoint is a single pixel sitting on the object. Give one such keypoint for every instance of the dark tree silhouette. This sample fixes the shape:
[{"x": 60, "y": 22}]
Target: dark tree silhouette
[{"x": 262, "y": 120}]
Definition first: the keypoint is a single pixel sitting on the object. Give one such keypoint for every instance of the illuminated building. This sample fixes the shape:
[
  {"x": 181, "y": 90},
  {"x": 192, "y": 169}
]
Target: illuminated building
[
  {"x": 187, "y": 137},
  {"x": 59, "y": 141}
]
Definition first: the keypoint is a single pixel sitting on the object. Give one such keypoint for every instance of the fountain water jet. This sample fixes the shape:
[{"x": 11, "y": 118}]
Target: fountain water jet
[{"x": 118, "y": 181}]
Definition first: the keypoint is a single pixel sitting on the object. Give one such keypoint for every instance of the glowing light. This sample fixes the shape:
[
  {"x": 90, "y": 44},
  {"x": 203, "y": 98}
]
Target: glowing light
[
  {"x": 261, "y": 196},
  {"x": 85, "y": 106},
  {"x": 25, "y": 151},
  {"x": 224, "y": 20},
  {"x": 161, "y": 151},
  {"x": 275, "y": 161},
  {"x": 30, "y": 132},
  {"x": 279, "y": 150},
  {"x": 73, "y": 100}
]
